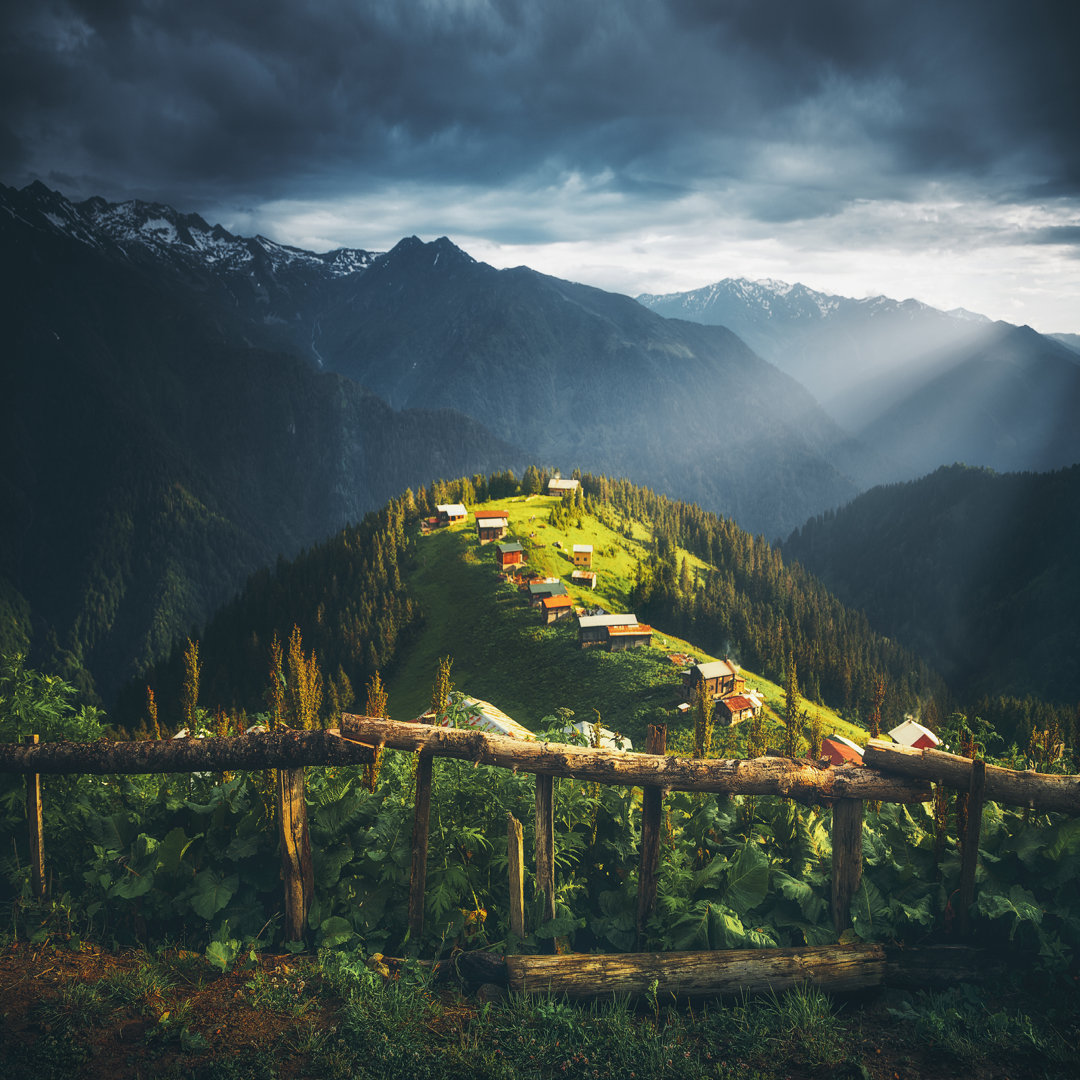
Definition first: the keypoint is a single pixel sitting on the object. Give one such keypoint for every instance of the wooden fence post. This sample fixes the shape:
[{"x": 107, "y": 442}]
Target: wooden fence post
[
  {"x": 297, "y": 871},
  {"x": 37, "y": 828},
  {"x": 652, "y": 806},
  {"x": 970, "y": 858},
  {"x": 515, "y": 855},
  {"x": 846, "y": 859},
  {"x": 545, "y": 845},
  {"x": 418, "y": 878}
]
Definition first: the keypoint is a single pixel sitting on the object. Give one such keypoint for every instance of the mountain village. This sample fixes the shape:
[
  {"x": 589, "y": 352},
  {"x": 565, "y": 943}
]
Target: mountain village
[{"x": 719, "y": 683}]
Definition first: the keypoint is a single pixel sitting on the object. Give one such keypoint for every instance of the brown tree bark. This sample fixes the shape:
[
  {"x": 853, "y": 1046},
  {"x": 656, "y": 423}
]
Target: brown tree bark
[
  {"x": 692, "y": 974},
  {"x": 652, "y": 808},
  {"x": 297, "y": 871},
  {"x": 276, "y": 750},
  {"x": 1040, "y": 791},
  {"x": 418, "y": 875},
  {"x": 847, "y": 861},
  {"x": 791, "y": 779}
]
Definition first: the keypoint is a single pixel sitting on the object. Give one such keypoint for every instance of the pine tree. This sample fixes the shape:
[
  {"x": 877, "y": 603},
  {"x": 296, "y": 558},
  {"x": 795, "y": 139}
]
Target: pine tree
[
  {"x": 440, "y": 690},
  {"x": 304, "y": 689},
  {"x": 189, "y": 692},
  {"x": 376, "y": 707},
  {"x": 875, "y": 710},
  {"x": 275, "y": 692},
  {"x": 793, "y": 713},
  {"x": 152, "y": 726}
]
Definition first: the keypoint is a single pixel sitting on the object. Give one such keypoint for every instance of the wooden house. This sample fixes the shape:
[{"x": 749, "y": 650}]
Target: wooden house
[
  {"x": 507, "y": 555},
  {"x": 841, "y": 751},
  {"x": 558, "y": 486},
  {"x": 592, "y": 629},
  {"x": 634, "y": 636},
  {"x": 913, "y": 734},
  {"x": 582, "y": 555},
  {"x": 736, "y": 708},
  {"x": 538, "y": 590},
  {"x": 585, "y": 578},
  {"x": 554, "y": 608},
  {"x": 719, "y": 678},
  {"x": 491, "y": 525},
  {"x": 448, "y": 513}
]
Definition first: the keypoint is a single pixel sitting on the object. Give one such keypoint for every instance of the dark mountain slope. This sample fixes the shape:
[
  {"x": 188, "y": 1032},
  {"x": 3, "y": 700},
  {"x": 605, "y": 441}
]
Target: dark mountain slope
[
  {"x": 578, "y": 375},
  {"x": 976, "y": 571},
  {"x": 150, "y": 465},
  {"x": 1008, "y": 402},
  {"x": 922, "y": 387}
]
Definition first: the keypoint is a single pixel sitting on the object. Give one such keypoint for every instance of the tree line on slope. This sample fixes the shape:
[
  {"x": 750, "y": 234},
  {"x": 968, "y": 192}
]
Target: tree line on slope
[{"x": 350, "y": 598}]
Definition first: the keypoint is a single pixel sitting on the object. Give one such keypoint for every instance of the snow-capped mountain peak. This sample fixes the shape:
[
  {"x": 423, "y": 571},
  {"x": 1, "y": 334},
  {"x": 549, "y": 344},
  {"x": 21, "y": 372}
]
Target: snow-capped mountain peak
[{"x": 138, "y": 228}]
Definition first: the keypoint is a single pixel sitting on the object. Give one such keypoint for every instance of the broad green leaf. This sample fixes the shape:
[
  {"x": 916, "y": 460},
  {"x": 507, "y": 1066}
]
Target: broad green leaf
[
  {"x": 709, "y": 875},
  {"x": 1019, "y": 903},
  {"x": 212, "y": 892},
  {"x": 748, "y": 880},
  {"x": 1066, "y": 839},
  {"x": 222, "y": 953},
  {"x": 335, "y": 931},
  {"x": 133, "y": 885},
  {"x": 242, "y": 847},
  {"x": 726, "y": 930},
  {"x": 802, "y": 893},
  {"x": 171, "y": 850},
  {"x": 869, "y": 911}
]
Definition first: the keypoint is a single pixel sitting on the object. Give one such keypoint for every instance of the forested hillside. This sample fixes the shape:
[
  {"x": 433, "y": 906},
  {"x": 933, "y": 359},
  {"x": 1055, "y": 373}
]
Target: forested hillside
[
  {"x": 973, "y": 569},
  {"x": 358, "y": 599}
]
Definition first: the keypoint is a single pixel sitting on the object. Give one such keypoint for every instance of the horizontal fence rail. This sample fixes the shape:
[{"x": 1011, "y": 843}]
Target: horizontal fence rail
[
  {"x": 271, "y": 750},
  {"x": 800, "y": 780},
  {"x": 1039, "y": 791}
]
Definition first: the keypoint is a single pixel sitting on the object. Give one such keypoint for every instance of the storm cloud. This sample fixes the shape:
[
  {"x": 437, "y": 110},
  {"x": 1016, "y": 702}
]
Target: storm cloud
[{"x": 764, "y": 116}]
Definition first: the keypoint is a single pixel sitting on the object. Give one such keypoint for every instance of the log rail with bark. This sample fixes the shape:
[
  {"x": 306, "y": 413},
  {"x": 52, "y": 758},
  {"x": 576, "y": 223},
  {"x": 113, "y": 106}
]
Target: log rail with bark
[
  {"x": 271, "y": 750},
  {"x": 799, "y": 780},
  {"x": 1039, "y": 791}
]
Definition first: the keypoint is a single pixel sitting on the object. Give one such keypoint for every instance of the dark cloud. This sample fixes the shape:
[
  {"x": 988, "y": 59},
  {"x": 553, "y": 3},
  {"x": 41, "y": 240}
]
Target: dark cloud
[
  {"x": 1068, "y": 235},
  {"x": 244, "y": 100}
]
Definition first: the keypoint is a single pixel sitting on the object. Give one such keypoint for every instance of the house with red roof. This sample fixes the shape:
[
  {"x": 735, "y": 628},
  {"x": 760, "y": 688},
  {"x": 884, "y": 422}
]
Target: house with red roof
[
  {"x": 841, "y": 751},
  {"x": 491, "y": 525},
  {"x": 913, "y": 734},
  {"x": 554, "y": 608},
  {"x": 632, "y": 636}
]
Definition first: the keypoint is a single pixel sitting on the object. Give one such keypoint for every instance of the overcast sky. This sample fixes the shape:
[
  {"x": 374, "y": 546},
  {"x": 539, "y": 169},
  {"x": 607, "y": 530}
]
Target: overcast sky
[{"x": 926, "y": 149}]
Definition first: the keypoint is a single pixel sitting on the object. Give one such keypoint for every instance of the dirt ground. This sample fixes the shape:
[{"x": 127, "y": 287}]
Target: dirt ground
[{"x": 85, "y": 1012}]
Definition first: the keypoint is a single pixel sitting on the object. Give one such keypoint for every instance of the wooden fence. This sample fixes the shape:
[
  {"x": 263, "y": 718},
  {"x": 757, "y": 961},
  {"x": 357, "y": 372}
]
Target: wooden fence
[{"x": 891, "y": 774}]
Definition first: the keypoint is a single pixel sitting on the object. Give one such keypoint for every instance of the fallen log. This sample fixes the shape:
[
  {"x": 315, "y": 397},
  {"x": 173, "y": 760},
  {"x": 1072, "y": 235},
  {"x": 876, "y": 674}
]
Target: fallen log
[
  {"x": 276, "y": 750},
  {"x": 1040, "y": 791},
  {"x": 699, "y": 974},
  {"x": 800, "y": 780},
  {"x": 947, "y": 965}
]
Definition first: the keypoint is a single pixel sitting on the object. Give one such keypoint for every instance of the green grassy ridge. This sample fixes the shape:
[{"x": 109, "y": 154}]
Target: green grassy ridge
[{"x": 504, "y": 654}]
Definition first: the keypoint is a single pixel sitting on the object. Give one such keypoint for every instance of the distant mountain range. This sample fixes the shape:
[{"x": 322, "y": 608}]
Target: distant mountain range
[
  {"x": 571, "y": 375},
  {"x": 182, "y": 405},
  {"x": 922, "y": 387}
]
